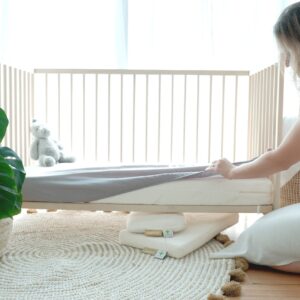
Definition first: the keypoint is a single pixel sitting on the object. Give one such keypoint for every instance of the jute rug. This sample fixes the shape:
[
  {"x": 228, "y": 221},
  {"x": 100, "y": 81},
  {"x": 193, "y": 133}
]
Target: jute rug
[{"x": 76, "y": 255}]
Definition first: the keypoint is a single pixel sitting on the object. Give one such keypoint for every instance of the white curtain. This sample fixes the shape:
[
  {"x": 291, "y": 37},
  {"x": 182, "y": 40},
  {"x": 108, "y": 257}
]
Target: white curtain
[
  {"x": 202, "y": 33},
  {"x": 63, "y": 33},
  {"x": 139, "y": 33}
]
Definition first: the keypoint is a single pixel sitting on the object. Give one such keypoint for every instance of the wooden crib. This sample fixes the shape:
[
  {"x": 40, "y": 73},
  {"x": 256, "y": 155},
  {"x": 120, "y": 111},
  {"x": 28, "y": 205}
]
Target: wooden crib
[{"x": 148, "y": 117}]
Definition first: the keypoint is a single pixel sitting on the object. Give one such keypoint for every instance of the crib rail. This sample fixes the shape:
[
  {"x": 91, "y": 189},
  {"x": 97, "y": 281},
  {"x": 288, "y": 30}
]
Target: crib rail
[
  {"x": 157, "y": 116},
  {"x": 16, "y": 98}
]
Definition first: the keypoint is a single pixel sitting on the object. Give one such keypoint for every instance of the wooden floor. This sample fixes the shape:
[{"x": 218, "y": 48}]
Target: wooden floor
[{"x": 264, "y": 283}]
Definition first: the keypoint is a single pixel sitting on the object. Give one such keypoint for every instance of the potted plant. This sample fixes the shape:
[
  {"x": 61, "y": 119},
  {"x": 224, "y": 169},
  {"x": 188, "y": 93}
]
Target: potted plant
[{"x": 12, "y": 176}]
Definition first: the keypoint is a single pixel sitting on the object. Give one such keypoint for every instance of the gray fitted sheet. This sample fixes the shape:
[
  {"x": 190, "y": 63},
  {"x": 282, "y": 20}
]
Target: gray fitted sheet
[{"x": 79, "y": 183}]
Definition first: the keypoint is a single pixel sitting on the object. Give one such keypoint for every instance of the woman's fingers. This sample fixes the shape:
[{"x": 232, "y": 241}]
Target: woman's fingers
[{"x": 222, "y": 166}]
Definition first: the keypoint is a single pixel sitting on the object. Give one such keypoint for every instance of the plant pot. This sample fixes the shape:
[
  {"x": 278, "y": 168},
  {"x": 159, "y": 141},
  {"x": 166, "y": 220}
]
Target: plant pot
[{"x": 5, "y": 231}]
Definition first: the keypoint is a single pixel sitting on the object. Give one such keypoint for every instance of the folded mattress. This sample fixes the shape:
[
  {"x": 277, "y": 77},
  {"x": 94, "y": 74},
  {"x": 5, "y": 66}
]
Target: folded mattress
[{"x": 147, "y": 184}]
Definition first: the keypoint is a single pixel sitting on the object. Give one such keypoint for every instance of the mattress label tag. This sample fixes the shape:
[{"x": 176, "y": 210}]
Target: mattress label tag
[
  {"x": 168, "y": 233},
  {"x": 160, "y": 254},
  {"x": 149, "y": 251}
]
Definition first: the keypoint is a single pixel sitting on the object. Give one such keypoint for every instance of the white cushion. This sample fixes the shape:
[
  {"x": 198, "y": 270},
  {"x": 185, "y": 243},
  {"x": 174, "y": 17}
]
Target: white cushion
[
  {"x": 201, "y": 228},
  {"x": 273, "y": 240},
  {"x": 138, "y": 222}
]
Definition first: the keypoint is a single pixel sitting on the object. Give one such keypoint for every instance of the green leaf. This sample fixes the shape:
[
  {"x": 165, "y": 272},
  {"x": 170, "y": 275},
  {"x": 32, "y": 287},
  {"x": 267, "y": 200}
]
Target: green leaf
[
  {"x": 12, "y": 176},
  {"x": 15, "y": 163},
  {"x": 8, "y": 182},
  {"x": 10, "y": 204},
  {"x": 3, "y": 124}
]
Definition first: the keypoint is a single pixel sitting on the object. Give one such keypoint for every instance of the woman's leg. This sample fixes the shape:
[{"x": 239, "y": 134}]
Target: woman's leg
[{"x": 292, "y": 268}]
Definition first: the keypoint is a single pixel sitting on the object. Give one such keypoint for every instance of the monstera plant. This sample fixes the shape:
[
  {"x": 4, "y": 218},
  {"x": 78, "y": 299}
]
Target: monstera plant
[{"x": 12, "y": 175}]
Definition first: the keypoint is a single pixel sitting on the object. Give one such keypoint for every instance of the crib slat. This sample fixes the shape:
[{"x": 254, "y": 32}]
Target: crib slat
[
  {"x": 184, "y": 120},
  {"x": 235, "y": 116},
  {"x": 146, "y": 118},
  {"x": 172, "y": 117},
  {"x": 46, "y": 97},
  {"x": 16, "y": 113},
  {"x": 25, "y": 115},
  {"x": 5, "y": 140},
  {"x": 96, "y": 116},
  {"x": 83, "y": 116},
  {"x": 275, "y": 83},
  {"x": 264, "y": 120},
  {"x": 10, "y": 105},
  {"x": 250, "y": 119},
  {"x": 158, "y": 118},
  {"x": 222, "y": 116},
  {"x": 121, "y": 119},
  {"x": 71, "y": 109},
  {"x": 133, "y": 118},
  {"x": 58, "y": 106},
  {"x": 108, "y": 119},
  {"x": 28, "y": 116},
  {"x": 20, "y": 98},
  {"x": 209, "y": 114},
  {"x": 197, "y": 119},
  {"x": 269, "y": 109}
]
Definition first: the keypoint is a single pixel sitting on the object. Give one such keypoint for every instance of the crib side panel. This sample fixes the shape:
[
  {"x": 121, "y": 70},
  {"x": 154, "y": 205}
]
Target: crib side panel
[
  {"x": 266, "y": 89},
  {"x": 265, "y": 110},
  {"x": 16, "y": 98}
]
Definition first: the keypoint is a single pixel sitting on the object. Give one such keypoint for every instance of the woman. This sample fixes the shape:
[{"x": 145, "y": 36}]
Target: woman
[{"x": 287, "y": 33}]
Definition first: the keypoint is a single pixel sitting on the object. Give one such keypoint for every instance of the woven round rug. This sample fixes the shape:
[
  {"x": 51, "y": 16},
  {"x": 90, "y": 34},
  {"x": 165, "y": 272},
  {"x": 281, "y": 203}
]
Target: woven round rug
[{"x": 76, "y": 255}]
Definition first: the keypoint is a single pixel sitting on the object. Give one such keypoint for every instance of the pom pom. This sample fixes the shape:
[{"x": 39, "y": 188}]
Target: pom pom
[
  {"x": 237, "y": 275},
  {"x": 222, "y": 238},
  {"x": 241, "y": 263},
  {"x": 232, "y": 289}
]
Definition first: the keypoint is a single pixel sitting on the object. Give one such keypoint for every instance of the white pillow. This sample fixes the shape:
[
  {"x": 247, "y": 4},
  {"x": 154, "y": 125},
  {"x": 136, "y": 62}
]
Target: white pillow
[
  {"x": 273, "y": 240},
  {"x": 138, "y": 222}
]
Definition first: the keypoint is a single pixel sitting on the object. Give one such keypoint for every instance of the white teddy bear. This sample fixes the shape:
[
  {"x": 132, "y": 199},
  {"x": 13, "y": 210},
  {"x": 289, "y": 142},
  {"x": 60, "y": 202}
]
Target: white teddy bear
[{"x": 45, "y": 149}]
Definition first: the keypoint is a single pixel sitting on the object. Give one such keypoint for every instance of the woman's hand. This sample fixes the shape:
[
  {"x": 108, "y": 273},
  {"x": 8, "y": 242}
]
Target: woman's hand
[{"x": 222, "y": 166}]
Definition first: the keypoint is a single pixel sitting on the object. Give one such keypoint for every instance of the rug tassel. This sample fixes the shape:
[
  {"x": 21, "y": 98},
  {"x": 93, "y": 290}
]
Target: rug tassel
[
  {"x": 237, "y": 275},
  {"x": 222, "y": 238},
  {"x": 241, "y": 263},
  {"x": 231, "y": 289}
]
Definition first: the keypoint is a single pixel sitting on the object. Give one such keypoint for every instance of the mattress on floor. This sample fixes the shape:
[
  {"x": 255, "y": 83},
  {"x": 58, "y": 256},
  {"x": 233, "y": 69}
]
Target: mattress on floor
[{"x": 213, "y": 190}]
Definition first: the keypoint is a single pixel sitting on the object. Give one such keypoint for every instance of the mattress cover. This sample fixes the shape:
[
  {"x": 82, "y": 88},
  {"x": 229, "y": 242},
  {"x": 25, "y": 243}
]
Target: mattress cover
[
  {"x": 214, "y": 190},
  {"x": 141, "y": 184}
]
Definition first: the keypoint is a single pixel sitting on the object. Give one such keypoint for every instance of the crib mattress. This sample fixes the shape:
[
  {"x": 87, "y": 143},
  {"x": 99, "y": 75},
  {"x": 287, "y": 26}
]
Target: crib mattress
[
  {"x": 205, "y": 191},
  {"x": 212, "y": 190}
]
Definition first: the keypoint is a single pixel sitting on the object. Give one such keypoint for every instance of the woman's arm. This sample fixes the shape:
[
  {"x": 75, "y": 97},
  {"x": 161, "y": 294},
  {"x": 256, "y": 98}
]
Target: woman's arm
[{"x": 287, "y": 154}]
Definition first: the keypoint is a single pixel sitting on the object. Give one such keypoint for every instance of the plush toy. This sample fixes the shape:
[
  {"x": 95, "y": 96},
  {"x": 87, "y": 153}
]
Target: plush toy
[{"x": 45, "y": 149}]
